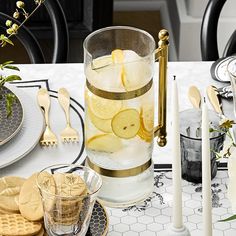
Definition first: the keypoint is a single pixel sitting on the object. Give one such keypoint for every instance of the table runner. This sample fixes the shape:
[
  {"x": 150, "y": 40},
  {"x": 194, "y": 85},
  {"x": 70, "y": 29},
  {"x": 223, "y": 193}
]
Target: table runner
[{"x": 153, "y": 216}]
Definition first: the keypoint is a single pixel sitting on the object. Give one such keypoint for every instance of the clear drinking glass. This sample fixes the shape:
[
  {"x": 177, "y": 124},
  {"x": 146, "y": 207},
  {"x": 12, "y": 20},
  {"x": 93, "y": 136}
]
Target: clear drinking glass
[
  {"x": 231, "y": 68},
  {"x": 191, "y": 143},
  {"x": 119, "y": 112},
  {"x": 67, "y": 204}
]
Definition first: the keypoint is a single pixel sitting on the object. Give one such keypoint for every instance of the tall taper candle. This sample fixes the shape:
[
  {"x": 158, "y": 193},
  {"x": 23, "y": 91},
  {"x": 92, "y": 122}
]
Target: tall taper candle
[
  {"x": 176, "y": 155},
  {"x": 206, "y": 174}
]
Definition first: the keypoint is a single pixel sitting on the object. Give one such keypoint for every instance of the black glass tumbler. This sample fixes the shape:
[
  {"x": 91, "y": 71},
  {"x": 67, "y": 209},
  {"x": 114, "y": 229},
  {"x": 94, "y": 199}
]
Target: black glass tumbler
[{"x": 191, "y": 143}]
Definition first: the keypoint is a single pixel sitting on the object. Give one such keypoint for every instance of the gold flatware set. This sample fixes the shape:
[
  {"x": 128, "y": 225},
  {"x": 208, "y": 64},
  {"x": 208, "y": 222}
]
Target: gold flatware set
[
  {"x": 194, "y": 96},
  {"x": 68, "y": 134}
]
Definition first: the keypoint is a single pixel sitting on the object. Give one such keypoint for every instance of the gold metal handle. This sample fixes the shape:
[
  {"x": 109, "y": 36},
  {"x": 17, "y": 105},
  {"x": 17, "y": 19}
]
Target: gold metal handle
[
  {"x": 64, "y": 100},
  {"x": 44, "y": 103},
  {"x": 161, "y": 55}
]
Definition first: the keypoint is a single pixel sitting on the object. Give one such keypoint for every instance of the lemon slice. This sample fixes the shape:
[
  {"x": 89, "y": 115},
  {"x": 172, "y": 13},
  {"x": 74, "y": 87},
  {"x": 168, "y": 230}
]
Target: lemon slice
[
  {"x": 103, "y": 108},
  {"x": 144, "y": 134},
  {"x": 117, "y": 56},
  {"x": 126, "y": 123},
  {"x": 147, "y": 116},
  {"x": 104, "y": 143},
  {"x": 101, "y": 62},
  {"x": 101, "y": 124}
]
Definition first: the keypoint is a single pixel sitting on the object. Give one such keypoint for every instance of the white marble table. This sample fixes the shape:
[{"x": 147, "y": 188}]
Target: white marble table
[{"x": 71, "y": 77}]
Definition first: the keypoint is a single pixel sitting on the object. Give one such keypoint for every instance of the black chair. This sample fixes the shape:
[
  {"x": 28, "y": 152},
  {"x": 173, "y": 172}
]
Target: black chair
[
  {"x": 60, "y": 31},
  {"x": 209, "y": 46}
]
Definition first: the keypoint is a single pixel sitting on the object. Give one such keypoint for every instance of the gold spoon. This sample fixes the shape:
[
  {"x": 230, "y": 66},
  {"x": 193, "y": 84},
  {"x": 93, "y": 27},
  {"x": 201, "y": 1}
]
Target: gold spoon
[
  {"x": 194, "y": 96},
  {"x": 214, "y": 98}
]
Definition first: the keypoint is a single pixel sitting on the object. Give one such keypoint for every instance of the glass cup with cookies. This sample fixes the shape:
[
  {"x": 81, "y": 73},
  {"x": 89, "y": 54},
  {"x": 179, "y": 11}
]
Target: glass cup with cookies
[{"x": 68, "y": 194}]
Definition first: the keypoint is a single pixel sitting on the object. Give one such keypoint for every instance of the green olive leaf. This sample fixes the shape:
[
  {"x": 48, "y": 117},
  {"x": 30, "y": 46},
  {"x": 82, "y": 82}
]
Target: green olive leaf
[
  {"x": 7, "y": 63},
  {"x": 233, "y": 217},
  {"x": 11, "y": 67},
  {"x": 10, "y": 99},
  {"x": 5, "y": 40},
  {"x": 12, "y": 78}
]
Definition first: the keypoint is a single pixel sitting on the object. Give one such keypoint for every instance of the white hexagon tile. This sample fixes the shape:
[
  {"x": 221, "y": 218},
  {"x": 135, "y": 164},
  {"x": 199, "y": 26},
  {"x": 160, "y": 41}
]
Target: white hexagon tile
[{"x": 153, "y": 216}]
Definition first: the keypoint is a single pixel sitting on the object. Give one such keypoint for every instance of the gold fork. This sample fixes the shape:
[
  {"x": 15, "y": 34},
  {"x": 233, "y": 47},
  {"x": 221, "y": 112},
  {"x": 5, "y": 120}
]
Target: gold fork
[
  {"x": 48, "y": 138},
  {"x": 68, "y": 134}
]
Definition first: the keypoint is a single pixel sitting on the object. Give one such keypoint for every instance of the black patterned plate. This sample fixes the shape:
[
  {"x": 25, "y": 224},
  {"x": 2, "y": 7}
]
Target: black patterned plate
[
  {"x": 99, "y": 221},
  {"x": 9, "y": 125}
]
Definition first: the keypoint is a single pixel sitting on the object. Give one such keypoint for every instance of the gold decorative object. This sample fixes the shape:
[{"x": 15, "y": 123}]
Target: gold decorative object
[
  {"x": 48, "y": 138},
  {"x": 161, "y": 54},
  {"x": 68, "y": 134},
  {"x": 194, "y": 96}
]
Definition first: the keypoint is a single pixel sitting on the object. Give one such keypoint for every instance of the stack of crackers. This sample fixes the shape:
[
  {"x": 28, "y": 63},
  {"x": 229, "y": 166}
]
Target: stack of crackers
[
  {"x": 71, "y": 206},
  {"x": 21, "y": 208},
  {"x": 12, "y": 218}
]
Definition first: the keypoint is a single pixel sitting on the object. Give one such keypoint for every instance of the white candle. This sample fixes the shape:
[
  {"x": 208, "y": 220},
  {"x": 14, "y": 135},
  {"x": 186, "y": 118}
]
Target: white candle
[
  {"x": 176, "y": 166},
  {"x": 206, "y": 174}
]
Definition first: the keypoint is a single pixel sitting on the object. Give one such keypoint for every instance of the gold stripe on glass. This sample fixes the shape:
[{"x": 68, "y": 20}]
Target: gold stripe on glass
[
  {"x": 120, "y": 173},
  {"x": 119, "y": 95}
]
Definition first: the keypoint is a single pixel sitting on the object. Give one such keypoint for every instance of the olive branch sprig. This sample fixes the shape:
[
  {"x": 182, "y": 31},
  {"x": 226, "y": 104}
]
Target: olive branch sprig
[
  {"x": 13, "y": 27},
  {"x": 4, "y": 40},
  {"x": 10, "y": 98},
  {"x": 225, "y": 125}
]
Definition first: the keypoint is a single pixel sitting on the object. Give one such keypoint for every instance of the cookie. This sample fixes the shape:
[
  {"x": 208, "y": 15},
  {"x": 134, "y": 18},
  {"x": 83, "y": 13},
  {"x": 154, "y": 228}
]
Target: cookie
[
  {"x": 9, "y": 184},
  {"x": 17, "y": 225},
  {"x": 3, "y": 211},
  {"x": 69, "y": 185},
  {"x": 10, "y": 187},
  {"x": 30, "y": 203},
  {"x": 41, "y": 232}
]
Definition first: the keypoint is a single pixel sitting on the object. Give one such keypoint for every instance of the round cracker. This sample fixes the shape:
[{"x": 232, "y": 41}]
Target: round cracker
[
  {"x": 41, "y": 232},
  {"x": 3, "y": 211},
  {"x": 30, "y": 203},
  {"x": 10, "y": 187},
  {"x": 69, "y": 184}
]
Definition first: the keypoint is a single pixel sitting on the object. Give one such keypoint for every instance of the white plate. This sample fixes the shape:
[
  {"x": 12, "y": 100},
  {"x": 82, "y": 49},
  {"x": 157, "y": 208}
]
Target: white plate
[{"x": 29, "y": 134}]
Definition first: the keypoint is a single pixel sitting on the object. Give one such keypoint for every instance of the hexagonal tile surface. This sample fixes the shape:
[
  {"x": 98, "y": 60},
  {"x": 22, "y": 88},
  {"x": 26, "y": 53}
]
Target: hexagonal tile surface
[
  {"x": 153, "y": 216},
  {"x": 137, "y": 227},
  {"x": 129, "y": 220}
]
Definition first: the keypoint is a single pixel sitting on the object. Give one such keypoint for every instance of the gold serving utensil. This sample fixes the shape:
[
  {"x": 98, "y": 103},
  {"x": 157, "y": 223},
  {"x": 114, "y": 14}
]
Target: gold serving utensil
[
  {"x": 215, "y": 100},
  {"x": 194, "y": 96},
  {"x": 48, "y": 138},
  {"x": 68, "y": 134}
]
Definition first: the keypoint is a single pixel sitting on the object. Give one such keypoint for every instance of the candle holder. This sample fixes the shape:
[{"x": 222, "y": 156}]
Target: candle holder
[
  {"x": 191, "y": 144},
  {"x": 172, "y": 231}
]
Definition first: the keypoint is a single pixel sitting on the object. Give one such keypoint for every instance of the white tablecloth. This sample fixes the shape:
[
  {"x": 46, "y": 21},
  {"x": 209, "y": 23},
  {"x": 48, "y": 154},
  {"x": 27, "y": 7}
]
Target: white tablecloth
[{"x": 71, "y": 76}]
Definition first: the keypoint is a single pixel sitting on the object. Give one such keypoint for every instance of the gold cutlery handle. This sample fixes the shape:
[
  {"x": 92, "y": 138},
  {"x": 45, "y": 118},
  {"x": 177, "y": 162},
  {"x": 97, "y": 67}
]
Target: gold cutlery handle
[
  {"x": 214, "y": 99},
  {"x": 64, "y": 100},
  {"x": 194, "y": 96},
  {"x": 161, "y": 54},
  {"x": 44, "y": 103}
]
